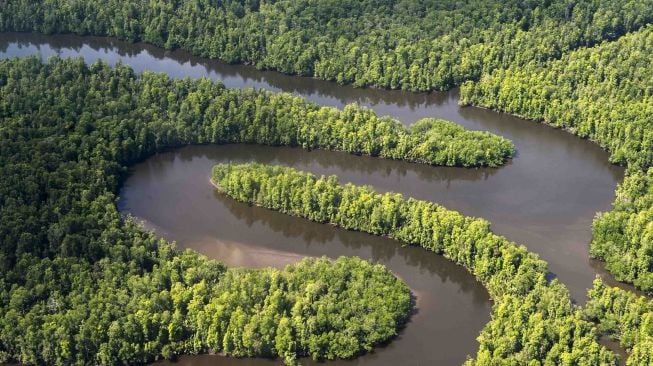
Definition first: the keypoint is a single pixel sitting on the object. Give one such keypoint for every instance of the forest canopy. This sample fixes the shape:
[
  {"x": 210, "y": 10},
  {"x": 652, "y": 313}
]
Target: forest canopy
[
  {"x": 626, "y": 317},
  {"x": 69, "y": 131},
  {"x": 603, "y": 93},
  {"x": 580, "y": 65},
  {"x": 113, "y": 312},
  {"x": 398, "y": 44}
]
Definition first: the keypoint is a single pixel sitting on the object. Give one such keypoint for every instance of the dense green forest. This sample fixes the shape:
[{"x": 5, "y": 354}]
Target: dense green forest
[
  {"x": 406, "y": 44},
  {"x": 149, "y": 301},
  {"x": 604, "y": 93},
  {"x": 533, "y": 320},
  {"x": 69, "y": 131},
  {"x": 82, "y": 285},
  {"x": 582, "y": 65},
  {"x": 626, "y": 317}
]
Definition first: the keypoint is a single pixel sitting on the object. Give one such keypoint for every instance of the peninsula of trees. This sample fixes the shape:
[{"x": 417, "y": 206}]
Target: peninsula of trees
[{"x": 533, "y": 319}]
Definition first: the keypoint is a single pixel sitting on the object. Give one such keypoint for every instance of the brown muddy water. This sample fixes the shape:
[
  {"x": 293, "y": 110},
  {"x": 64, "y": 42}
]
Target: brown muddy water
[{"x": 545, "y": 198}]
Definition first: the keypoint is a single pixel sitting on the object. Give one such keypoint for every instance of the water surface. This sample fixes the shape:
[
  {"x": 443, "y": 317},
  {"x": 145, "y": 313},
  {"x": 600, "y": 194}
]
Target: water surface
[{"x": 172, "y": 193}]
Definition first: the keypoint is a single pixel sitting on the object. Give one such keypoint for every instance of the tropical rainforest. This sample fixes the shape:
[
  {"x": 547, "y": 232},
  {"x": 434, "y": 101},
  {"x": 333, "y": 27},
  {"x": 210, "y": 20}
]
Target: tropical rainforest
[
  {"x": 579, "y": 65},
  {"x": 603, "y": 93},
  {"x": 398, "y": 44},
  {"x": 82, "y": 285},
  {"x": 70, "y": 130},
  {"x": 624, "y": 316}
]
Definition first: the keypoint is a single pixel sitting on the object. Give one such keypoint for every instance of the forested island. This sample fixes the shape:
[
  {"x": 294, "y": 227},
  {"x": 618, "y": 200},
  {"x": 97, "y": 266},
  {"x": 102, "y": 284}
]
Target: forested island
[{"x": 69, "y": 131}]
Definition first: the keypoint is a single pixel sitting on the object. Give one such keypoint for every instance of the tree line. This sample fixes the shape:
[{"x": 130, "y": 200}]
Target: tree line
[
  {"x": 533, "y": 320},
  {"x": 82, "y": 285},
  {"x": 603, "y": 93},
  {"x": 399, "y": 44}
]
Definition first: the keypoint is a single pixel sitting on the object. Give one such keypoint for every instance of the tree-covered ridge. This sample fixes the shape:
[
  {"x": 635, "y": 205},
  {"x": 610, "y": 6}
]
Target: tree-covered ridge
[
  {"x": 406, "y": 44},
  {"x": 626, "y": 317},
  {"x": 604, "y": 93},
  {"x": 533, "y": 320},
  {"x": 82, "y": 285}
]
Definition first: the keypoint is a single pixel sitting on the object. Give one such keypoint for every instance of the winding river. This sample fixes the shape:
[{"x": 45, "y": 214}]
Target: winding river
[{"x": 545, "y": 198}]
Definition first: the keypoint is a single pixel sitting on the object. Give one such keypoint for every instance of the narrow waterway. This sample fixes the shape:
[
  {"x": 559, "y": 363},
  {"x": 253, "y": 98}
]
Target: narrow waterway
[
  {"x": 172, "y": 193},
  {"x": 545, "y": 198}
]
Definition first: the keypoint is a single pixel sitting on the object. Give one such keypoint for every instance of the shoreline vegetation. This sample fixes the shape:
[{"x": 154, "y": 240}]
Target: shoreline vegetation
[
  {"x": 602, "y": 93},
  {"x": 469, "y": 242},
  {"x": 166, "y": 132},
  {"x": 515, "y": 278},
  {"x": 490, "y": 54},
  {"x": 383, "y": 43}
]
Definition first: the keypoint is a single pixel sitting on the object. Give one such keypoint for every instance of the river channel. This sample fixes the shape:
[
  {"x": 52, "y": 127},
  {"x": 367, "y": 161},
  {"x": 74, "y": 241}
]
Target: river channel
[{"x": 544, "y": 198}]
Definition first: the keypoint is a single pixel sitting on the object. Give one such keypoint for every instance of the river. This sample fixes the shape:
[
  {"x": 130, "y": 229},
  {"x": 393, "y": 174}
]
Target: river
[{"x": 545, "y": 198}]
